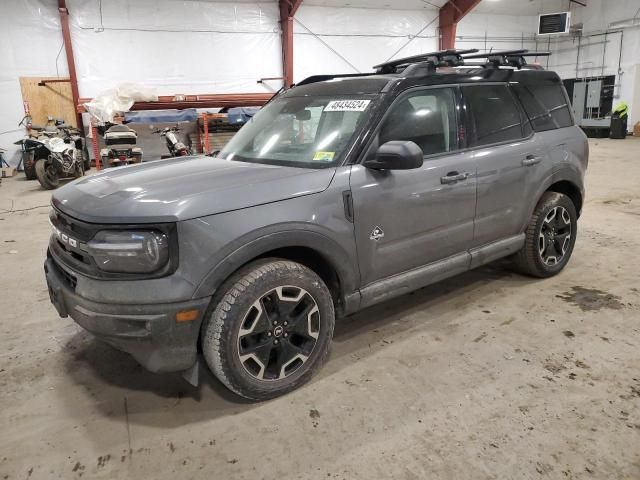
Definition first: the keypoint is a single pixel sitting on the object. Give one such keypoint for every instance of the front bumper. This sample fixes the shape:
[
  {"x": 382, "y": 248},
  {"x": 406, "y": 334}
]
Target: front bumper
[{"x": 149, "y": 333}]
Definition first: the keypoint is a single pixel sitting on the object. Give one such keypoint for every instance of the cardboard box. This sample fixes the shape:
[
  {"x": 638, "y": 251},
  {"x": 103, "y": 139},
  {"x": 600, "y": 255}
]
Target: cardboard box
[
  {"x": 8, "y": 172},
  {"x": 636, "y": 129}
]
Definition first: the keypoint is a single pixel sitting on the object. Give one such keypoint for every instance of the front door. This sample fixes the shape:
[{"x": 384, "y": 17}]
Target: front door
[{"x": 409, "y": 218}]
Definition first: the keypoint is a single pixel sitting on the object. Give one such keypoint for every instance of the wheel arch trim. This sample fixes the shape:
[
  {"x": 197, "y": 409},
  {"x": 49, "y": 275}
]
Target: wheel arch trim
[{"x": 258, "y": 243}]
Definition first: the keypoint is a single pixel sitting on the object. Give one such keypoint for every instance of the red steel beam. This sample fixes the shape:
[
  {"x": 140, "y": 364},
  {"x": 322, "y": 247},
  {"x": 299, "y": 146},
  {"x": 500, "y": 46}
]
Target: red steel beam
[
  {"x": 68, "y": 50},
  {"x": 288, "y": 9},
  {"x": 450, "y": 14},
  {"x": 198, "y": 101}
]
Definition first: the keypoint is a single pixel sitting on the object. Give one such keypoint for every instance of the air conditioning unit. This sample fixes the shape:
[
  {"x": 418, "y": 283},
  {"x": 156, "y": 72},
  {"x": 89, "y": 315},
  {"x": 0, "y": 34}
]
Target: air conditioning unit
[{"x": 554, "y": 23}]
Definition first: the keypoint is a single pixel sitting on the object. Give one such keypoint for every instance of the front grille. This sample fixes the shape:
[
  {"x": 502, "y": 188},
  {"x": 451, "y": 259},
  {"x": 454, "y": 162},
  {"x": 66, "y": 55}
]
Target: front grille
[{"x": 68, "y": 278}]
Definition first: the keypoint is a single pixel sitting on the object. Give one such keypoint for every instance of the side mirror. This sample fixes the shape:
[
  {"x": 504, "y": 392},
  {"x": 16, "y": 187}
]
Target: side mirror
[{"x": 396, "y": 155}]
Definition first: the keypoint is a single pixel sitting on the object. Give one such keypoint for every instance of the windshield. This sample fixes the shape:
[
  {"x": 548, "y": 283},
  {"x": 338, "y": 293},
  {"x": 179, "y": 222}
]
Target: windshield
[{"x": 309, "y": 132}]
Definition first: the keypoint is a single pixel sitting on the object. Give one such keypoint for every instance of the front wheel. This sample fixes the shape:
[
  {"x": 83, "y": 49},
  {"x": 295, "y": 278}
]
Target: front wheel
[
  {"x": 550, "y": 237},
  {"x": 270, "y": 329},
  {"x": 47, "y": 174}
]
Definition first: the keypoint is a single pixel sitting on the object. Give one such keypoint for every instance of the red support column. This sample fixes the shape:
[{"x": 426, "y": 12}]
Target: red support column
[
  {"x": 288, "y": 9},
  {"x": 207, "y": 145},
  {"x": 96, "y": 147},
  {"x": 71, "y": 64},
  {"x": 450, "y": 14}
]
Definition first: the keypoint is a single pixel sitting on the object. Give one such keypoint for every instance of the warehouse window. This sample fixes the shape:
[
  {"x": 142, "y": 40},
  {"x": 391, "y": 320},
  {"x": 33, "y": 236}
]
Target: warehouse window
[
  {"x": 495, "y": 114},
  {"x": 545, "y": 105},
  {"x": 426, "y": 118}
]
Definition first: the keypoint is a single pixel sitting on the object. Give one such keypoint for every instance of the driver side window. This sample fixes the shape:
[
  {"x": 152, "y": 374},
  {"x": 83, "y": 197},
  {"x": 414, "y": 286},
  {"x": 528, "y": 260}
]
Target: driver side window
[{"x": 427, "y": 118}]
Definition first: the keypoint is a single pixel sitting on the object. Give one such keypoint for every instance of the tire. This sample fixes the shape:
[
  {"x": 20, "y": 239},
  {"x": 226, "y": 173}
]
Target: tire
[
  {"x": 277, "y": 352},
  {"x": 79, "y": 170},
  {"x": 29, "y": 165},
  {"x": 48, "y": 179},
  {"x": 547, "y": 249},
  {"x": 86, "y": 159}
]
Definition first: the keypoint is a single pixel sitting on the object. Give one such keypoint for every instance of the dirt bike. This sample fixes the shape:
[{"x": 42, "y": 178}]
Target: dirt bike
[{"x": 175, "y": 146}]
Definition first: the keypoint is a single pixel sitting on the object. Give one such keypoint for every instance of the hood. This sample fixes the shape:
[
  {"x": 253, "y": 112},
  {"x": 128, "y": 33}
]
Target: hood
[{"x": 183, "y": 188}]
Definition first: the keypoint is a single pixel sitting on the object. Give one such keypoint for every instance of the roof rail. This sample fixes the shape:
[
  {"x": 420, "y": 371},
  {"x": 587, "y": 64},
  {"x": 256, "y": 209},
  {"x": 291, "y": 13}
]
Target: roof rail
[
  {"x": 324, "y": 78},
  {"x": 441, "y": 58},
  {"x": 507, "y": 58}
]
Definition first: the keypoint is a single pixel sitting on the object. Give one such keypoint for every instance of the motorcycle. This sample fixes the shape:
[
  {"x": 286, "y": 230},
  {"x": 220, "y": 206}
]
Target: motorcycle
[
  {"x": 65, "y": 155},
  {"x": 121, "y": 150},
  {"x": 33, "y": 146},
  {"x": 175, "y": 146}
]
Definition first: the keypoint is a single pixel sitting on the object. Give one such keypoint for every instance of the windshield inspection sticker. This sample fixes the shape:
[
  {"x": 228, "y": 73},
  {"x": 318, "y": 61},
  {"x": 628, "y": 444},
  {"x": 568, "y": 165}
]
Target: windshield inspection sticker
[
  {"x": 347, "y": 106},
  {"x": 324, "y": 156}
]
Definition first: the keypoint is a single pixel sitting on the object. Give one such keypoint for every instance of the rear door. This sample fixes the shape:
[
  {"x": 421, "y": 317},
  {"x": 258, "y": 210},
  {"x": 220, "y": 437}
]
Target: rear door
[
  {"x": 507, "y": 157},
  {"x": 409, "y": 218}
]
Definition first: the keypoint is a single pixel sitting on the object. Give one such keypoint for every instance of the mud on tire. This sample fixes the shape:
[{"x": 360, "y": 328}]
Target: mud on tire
[
  {"x": 268, "y": 329},
  {"x": 549, "y": 237}
]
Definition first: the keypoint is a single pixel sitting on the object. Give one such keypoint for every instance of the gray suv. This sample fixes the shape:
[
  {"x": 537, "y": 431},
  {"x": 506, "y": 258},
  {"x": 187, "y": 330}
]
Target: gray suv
[{"x": 342, "y": 192}]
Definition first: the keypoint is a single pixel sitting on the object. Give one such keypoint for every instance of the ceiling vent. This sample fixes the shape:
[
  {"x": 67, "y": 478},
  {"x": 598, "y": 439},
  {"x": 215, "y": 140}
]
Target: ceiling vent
[{"x": 554, "y": 23}]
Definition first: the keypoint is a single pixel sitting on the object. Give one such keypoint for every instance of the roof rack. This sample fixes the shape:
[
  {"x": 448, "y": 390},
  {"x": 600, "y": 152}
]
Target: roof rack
[
  {"x": 324, "y": 78},
  {"x": 441, "y": 58},
  {"x": 507, "y": 58}
]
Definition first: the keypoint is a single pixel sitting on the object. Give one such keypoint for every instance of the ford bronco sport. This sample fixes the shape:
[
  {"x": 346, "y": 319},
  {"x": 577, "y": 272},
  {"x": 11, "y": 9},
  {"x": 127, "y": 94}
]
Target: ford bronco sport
[{"x": 342, "y": 192}]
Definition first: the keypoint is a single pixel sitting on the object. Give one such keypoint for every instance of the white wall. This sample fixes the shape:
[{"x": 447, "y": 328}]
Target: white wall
[
  {"x": 30, "y": 39},
  {"x": 352, "y": 40},
  {"x": 596, "y": 18},
  {"x": 506, "y": 32}
]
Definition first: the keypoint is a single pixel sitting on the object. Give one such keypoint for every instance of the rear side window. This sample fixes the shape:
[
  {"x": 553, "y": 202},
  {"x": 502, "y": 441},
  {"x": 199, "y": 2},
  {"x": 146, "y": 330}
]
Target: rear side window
[
  {"x": 545, "y": 105},
  {"x": 495, "y": 114},
  {"x": 427, "y": 118}
]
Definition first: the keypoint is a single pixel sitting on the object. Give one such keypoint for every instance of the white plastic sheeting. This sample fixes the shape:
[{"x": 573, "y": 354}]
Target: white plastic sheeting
[
  {"x": 104, "y": 106},
  {"x": 176, "y": 46},
  {"x": 352, "y": 40},
  {"x": 30, "y": 39}
]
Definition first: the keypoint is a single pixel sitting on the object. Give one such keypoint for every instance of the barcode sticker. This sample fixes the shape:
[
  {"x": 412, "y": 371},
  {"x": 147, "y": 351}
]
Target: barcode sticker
[{"x": 347, "y": 106}]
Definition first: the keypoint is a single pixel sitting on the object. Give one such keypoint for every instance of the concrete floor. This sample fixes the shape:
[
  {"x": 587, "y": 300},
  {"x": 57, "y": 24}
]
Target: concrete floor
[{"x": 487, "y": 375}]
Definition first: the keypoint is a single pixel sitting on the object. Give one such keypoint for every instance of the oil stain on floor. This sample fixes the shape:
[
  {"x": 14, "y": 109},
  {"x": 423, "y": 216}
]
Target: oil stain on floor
[{"x": 591, "y": 299}]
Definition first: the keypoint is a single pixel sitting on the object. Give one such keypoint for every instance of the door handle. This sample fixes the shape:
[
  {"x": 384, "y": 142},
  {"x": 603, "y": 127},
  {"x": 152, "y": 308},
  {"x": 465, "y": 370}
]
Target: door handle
[
  {"x": 531, "y": 160},
  {"x": 453, "y": 177}
]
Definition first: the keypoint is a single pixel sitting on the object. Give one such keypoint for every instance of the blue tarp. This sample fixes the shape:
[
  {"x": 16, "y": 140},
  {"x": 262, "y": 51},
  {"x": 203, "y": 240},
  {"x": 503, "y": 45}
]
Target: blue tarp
[
  {"x": 241, "y": 114},
  {"x": 162, "y": 116}
]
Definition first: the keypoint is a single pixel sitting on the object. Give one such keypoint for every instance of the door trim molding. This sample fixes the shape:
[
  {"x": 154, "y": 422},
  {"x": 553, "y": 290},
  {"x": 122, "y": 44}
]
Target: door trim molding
[
  {"x": 405, "y": 282},
  {"x": 495, "y": 250},
  {"x": 411, "y": 280}
]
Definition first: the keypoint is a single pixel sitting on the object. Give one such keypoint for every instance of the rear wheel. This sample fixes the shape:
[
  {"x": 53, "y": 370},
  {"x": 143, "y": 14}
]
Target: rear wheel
[
  {"x": 270, "y": 329},
  {"x": 550, "y": 237},
  {"x": 47, "y": 174}
]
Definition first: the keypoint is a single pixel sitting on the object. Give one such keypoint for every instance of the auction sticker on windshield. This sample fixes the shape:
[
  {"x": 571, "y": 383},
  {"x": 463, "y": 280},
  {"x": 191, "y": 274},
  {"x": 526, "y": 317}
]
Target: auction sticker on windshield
[
  {"x": 324, "y": 156},
  {"x": 347, "y": 106}
]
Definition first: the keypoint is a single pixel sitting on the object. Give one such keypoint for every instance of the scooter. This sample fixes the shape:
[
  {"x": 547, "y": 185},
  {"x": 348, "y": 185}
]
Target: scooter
[
  {"x": 175, "y": 146},
  {"x": 121, "y": 149}
]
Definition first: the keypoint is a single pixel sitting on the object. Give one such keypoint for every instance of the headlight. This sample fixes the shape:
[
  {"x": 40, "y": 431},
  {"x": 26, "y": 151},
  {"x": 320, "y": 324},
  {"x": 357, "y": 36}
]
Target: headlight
[{"x": 129, "y": 252}]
